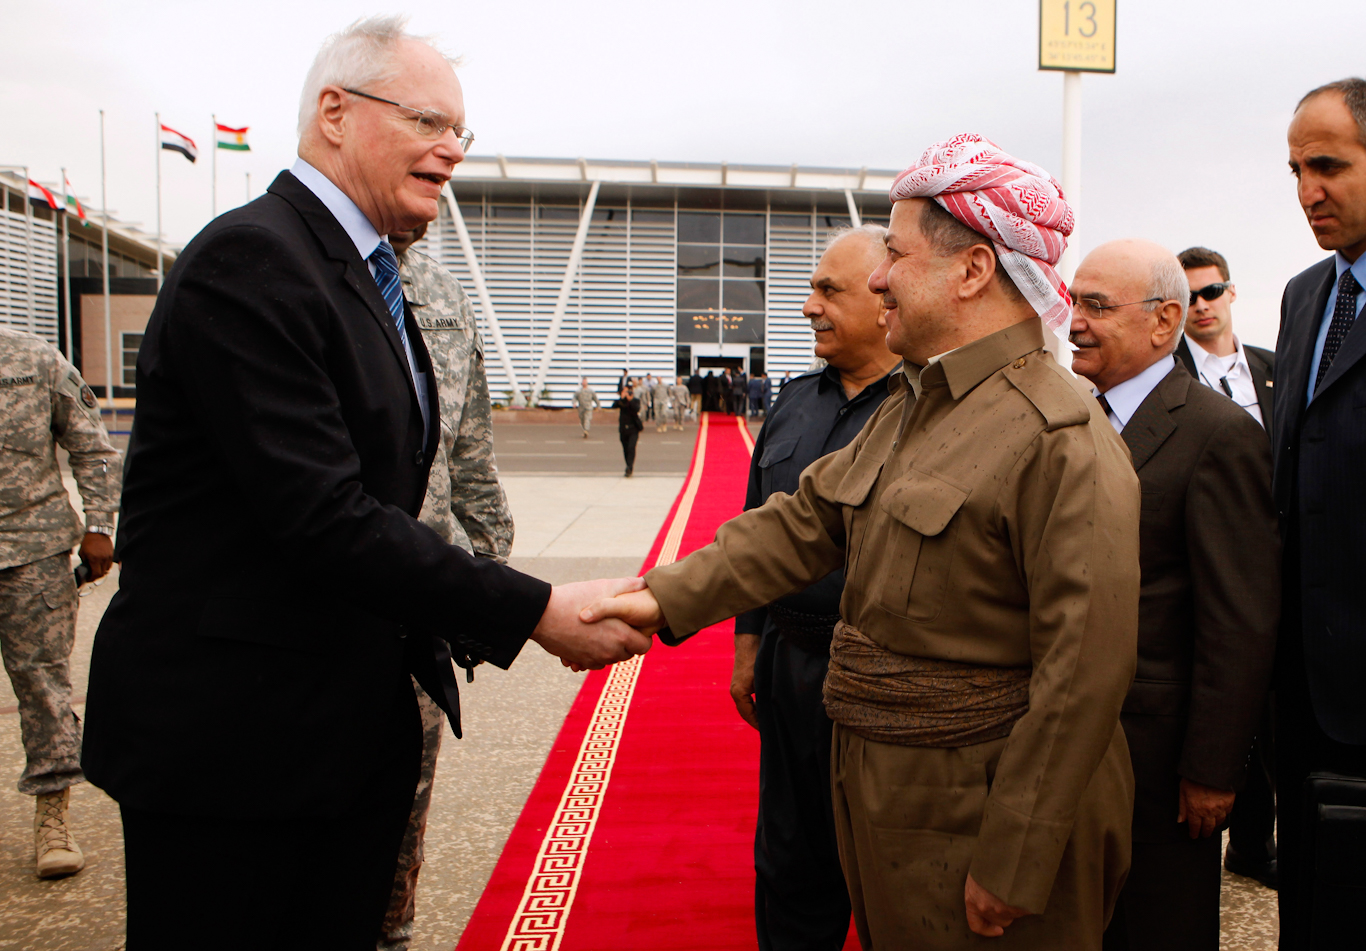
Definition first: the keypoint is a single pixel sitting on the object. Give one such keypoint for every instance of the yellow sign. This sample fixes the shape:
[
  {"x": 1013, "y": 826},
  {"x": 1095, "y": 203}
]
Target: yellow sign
[{"x": 1077, "y": 35}]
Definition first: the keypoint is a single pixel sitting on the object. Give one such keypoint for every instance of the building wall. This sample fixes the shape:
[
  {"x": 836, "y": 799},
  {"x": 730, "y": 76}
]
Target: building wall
[
  {"x": 17, "y": 309},
  {"x": 128, "y": 315},
  {"x": 623, "y": 307}
]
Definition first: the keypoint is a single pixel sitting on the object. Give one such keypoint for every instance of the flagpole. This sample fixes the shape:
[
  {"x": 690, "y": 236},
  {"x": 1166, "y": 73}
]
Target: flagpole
[
  {"x": 108, "y": 329},
  {"x": 66, "y": 273},
  {"x": 213, "y": 144},
  {"x": 28, "y": 232},
  {"x": 158, "y": 147}
]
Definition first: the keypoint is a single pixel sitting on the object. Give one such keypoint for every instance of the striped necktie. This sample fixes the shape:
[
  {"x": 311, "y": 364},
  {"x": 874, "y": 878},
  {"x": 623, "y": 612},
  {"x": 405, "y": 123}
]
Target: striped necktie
[
  {"x": 1344, "y": 315},
  {"x": 390, "y": 287}
]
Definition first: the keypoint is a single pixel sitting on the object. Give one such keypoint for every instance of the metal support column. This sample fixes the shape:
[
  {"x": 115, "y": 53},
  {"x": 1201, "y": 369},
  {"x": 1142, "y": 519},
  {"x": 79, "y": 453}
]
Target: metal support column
[
  {"x": 562, "y": 302},
  {"x": 853, "y": 209},
  {"x": 485, "y": 299}
]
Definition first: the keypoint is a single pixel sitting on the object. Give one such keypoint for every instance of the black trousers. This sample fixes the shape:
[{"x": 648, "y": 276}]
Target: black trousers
[
  {"x": 800, "y": 898},
  {"x": 1301, "y": 748},
  {"x": 1170, "y": 901},
  {"x": 629, "y": 438},
  {"x": 293, "y": 881},
  {"x": 1252, "y": 823}
]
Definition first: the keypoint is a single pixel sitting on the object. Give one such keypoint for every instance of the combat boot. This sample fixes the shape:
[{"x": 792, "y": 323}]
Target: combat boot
[{"x": 58, "y": 854}]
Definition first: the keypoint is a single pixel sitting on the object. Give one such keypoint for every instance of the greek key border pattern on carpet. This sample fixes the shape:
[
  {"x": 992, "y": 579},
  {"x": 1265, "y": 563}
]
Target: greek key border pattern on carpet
[{"x": 540, "y": 920}]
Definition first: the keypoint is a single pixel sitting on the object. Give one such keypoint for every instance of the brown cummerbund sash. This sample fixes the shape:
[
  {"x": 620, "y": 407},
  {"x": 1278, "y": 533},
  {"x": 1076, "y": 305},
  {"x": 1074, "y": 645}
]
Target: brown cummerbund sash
[
  {"x": 811, "y": 632},
  {"x": 916, "y": 701}
]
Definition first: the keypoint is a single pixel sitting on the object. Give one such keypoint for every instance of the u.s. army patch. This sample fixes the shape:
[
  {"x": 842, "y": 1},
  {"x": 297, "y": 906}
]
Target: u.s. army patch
[
  {"x": 18, "y": 380},
  {"x": 88, "y": 396}
]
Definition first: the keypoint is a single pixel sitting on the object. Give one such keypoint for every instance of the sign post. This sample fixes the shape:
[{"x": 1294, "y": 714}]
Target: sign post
[{"x": 1075, "y": 38}]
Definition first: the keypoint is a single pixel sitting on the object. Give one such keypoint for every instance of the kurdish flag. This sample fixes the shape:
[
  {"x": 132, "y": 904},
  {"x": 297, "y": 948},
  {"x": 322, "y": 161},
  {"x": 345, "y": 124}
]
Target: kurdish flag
[
  {"x": 38, "y": 195},
  {"x": 178, "y": 142},
  {"x": 230, "y": 138},
  {"x": 74, "y": 205}
]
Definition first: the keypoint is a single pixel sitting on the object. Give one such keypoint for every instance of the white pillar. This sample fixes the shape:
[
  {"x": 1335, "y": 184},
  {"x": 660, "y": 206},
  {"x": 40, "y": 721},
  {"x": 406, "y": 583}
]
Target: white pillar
[
  {"x": 28, "y": 238},
  {"x": 853, "y": 209},
  {"x": 1071, "y": 167},
  {"x": 485, "y": 299},
  {"x": 66, "y": 272},
  {"x": 108, "y": 321},
  {"x": 562, "y": 302}
]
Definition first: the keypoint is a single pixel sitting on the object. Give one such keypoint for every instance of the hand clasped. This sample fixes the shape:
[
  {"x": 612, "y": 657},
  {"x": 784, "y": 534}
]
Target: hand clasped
[{"x": 590, "y": 643}]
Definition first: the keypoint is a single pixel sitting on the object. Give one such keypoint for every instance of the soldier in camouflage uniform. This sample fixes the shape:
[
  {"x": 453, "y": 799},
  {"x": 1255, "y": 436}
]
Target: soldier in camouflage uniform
[
  {"x": 659, "y": 403},
  {"x": 680, "y": 396},
  {"x": 585, "y": 401},
  {"x": 465, "y": 505},
  {"x": 43, "y": 402}
]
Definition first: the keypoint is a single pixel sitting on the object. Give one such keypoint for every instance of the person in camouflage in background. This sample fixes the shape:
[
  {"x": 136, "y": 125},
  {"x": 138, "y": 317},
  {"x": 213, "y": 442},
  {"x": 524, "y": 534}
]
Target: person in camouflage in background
[
  {"x": 680, "y": 397},
  {"x": 585, "y": 401},
  {"x": 659, "y": 401},
  {"x": 43, "y": 402},
  {"x": 465, "y": 505}
]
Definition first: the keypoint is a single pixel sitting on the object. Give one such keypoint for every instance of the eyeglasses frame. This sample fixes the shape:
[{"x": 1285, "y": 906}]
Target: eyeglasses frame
[
  {"x": 1092, "y": 304},
  {"x": 462, "y": 135}
]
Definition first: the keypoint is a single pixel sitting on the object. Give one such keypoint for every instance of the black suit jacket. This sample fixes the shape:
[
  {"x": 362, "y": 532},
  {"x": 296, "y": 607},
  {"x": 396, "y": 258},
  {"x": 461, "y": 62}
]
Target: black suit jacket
[
  {"x": 276, "y": 588},
  {"x": 1261, "y": 362},
  {"x": 1209, "y": 603},
  {"x": 1320, "y": 476}
]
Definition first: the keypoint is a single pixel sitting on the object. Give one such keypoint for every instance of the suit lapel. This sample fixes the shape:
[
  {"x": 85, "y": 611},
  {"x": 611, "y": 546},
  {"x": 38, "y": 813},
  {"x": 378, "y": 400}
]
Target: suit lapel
[
  {"x": 1152, "y": 422},
  {"x": 1353, "y": 349},
  {"x": 339, "y": 246},
  {"x": 1261, "y": 383}
]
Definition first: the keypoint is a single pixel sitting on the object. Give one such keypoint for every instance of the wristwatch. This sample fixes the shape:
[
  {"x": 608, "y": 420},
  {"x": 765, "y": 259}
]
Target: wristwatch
[{"x": 99, "y": 530}]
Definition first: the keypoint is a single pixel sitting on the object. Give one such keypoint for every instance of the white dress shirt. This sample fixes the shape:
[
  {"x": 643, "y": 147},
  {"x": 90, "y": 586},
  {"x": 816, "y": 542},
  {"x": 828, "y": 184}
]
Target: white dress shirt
[
  {"x": 1358, "y": 269},
  {"x": 364, "y": 236},
  {"x": 1125, "y": 398},
  {"x": 1215, "y": 372}
]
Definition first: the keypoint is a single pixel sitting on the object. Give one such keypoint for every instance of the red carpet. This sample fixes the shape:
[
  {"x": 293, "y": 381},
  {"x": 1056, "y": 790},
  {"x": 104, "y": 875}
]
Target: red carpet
[{"x": 639, "y": 833}]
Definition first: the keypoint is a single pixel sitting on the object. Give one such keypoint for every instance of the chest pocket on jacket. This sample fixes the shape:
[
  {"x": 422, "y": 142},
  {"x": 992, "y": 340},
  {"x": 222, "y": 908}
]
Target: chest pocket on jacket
[
  {"x": 920, "y": 537},
  {"x": 851, "y": 493},
  {"x": 774, "y": 466}
]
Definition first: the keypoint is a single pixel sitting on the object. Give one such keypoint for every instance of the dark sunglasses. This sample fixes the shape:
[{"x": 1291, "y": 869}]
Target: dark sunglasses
[{"x": 1210, "y": 291}]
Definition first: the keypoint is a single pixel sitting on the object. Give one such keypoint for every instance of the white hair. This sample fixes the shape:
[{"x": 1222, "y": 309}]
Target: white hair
[
  {"x": 1169, "y": 283},
  {"x": 875, "y": 233},
  {"x": 359, "y": 56}
]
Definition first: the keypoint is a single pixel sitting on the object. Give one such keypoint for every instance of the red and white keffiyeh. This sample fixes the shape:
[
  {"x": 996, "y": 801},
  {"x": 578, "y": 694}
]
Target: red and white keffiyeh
[{"x": 1016, "y": 204}]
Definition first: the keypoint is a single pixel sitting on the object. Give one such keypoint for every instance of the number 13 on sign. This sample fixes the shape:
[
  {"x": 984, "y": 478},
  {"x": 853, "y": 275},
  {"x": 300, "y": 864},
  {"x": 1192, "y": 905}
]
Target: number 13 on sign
[{"x": 1077, "y": 35}]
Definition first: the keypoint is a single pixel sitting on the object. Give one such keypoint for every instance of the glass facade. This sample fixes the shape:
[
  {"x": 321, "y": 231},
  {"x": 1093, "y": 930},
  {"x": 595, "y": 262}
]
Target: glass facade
[{"x": 721, "y": 259}]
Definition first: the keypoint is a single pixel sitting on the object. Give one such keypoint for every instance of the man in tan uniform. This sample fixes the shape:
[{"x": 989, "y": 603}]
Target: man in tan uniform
[{"x": 987, "y": 521}]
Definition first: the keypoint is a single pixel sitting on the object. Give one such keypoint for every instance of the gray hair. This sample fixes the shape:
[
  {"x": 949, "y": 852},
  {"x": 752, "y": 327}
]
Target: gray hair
[
  {"x": 873, "y": 232},
  {"x": 1169, "y": 283},
  {"x": 359, "y": 56}
]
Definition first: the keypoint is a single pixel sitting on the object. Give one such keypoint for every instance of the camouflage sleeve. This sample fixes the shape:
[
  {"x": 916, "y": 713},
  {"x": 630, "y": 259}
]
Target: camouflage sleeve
[
  {"x": 95, "y": 463},
  {"x": 477, "y": 498}
]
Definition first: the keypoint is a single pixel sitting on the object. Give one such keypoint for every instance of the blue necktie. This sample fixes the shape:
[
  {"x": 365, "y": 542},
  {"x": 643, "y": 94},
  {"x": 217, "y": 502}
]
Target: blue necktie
[{"x": 390, "y": 287}]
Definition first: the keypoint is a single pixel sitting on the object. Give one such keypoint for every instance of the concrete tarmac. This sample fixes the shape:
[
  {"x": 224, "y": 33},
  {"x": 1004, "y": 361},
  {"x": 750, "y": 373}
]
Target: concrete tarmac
[{"x": 577, "y": 518}]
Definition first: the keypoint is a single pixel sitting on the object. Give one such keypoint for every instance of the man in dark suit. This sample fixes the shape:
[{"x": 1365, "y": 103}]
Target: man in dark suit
[
  {"x": 1212, "y": 353},
  {"x": 1209, "y": 601},
  {"x": 255, "y": 713},
  {"x": 1320, "y": 445}
]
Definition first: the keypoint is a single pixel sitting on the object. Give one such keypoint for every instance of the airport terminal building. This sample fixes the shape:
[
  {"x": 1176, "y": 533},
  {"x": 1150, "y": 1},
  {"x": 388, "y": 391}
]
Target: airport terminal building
[{"x": 582, "y": 268}]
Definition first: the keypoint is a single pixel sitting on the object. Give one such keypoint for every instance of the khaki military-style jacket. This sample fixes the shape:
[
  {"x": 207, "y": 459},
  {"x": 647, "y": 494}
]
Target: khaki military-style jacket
[
  {"x": 585, "y": 400},
  {"x": 465, "y": 502},
  {"x": 43, "y": 402},
  {"x": 992, "y": 521}
]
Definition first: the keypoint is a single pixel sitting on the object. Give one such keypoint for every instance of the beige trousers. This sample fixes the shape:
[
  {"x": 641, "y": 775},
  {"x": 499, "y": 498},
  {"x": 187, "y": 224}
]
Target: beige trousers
[{"x": 906, "y": 821}]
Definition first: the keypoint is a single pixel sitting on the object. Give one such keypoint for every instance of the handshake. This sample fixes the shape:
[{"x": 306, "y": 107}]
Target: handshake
[{"x": 591, "y": 624}]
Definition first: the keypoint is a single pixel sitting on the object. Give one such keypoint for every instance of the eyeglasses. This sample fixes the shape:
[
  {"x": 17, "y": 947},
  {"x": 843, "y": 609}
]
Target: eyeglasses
[
  {"x": 430, "y": 125},
  {"x": 1092, "y": 308},
  {"x": 1211, "y": 291}
]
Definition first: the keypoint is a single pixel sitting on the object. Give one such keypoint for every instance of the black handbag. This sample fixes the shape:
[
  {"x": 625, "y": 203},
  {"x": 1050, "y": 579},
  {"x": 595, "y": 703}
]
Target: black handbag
[{"x": 1334, "y": 868}]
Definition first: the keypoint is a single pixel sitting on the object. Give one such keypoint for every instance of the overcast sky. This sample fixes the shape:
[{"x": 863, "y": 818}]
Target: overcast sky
[{"x": 1184, "y": 145}]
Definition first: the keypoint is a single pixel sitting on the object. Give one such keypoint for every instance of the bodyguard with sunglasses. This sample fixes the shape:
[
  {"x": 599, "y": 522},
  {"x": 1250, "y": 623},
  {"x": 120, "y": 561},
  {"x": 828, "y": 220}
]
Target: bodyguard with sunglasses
[
  {"x": 1210, "y": 350},
  {"x": 1214, "y": 355}
]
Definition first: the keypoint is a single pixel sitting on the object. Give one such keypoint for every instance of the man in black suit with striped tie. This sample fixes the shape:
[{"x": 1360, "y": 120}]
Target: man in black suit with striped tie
[{"x": 1320, "y": 448}]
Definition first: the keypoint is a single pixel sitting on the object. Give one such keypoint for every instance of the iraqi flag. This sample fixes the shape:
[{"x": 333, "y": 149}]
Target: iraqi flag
[
  {"x": 38, "y": 196},
  {"x": 230, "y": 138},
  {"x": 73, "y": 205},
  {"x": 176, "y": 142}
]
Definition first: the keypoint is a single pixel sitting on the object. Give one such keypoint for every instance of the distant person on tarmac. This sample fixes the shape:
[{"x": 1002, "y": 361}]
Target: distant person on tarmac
[
  {"x": 680, "y": 397},
  {"x": 695, "y": 394},
  {"x": 629, "y": 426},
  {"x": 659, "y": 403},
  {"x": 585, "y": 401}
]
